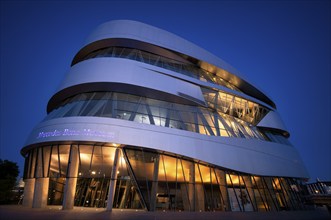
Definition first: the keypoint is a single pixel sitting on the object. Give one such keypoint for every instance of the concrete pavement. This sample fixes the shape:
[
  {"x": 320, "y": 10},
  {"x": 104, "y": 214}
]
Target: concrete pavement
[{"x": 13, "y": 212}]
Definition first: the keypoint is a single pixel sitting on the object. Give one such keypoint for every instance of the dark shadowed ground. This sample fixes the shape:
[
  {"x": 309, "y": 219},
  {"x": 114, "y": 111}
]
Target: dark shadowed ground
[{"x": 13, "y": 212}]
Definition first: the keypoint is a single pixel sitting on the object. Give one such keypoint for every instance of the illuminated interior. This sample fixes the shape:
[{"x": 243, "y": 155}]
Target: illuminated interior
[
  {"x": 180, "y": 65},
  {"x": 216, "y": 124},
  {"x": 157, "y": 181},
  {"x": 222, "y": 118}
]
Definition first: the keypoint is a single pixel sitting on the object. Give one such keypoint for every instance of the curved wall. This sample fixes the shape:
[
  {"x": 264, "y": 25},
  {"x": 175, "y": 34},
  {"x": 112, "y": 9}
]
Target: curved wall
[
  {"x": 127, "y": 29},
  {"x": 245, "y": 155},
  {"x": 124, "y": 71}
]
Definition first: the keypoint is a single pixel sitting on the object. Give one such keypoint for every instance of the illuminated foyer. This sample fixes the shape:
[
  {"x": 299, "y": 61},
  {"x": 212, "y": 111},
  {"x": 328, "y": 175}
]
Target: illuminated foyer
[{"x": 147, "y": 120}]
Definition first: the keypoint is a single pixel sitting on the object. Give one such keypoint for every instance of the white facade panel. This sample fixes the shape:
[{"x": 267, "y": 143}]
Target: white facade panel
[
  {"x": 134, "y": 30},
  {"x": 272, "y": 120},
  {"x": 117, "y": 70},
  {"x": 146, "y": 33},
  {"x": 249, "y": 156}
]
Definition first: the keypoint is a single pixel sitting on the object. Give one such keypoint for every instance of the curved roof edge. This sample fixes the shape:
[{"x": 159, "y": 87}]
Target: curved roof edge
[
  {"x": 129, "y": 29},
  {"x": 273, "y": 121}
]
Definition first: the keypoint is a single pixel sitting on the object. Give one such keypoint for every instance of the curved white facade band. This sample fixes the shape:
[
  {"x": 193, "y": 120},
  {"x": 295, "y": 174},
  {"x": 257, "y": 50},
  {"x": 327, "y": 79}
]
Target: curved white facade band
[{"x": 146, "y": 119}]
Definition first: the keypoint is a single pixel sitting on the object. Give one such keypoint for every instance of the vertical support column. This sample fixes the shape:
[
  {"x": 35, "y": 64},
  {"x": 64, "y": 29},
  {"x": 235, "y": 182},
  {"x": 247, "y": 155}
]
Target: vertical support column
[
  {"x": 41, "y": 184},
  {"x": 71, "y": 179},
  {"x": 249, "y": 187},
  {"x": 40, "y": 192},
  {"x": 200, "y": 200},
  {"x": 125, "y": 194},
  {"x": 113, "y": 179},
  {"x": 154, "y": 183},
  {"x": 224, "y": 191},
  {"x": 30, "y": 162},
  {"x": 191, "y": 186},
  {"x": 28, "y": 192}
]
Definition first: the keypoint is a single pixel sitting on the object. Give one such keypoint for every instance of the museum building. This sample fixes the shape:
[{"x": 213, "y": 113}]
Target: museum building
[{"x": 147, "y": 120}]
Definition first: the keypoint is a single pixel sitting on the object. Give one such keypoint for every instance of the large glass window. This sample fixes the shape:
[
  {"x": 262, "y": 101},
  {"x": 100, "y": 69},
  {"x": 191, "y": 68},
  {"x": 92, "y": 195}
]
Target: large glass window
[
  {"x": 184, "y": 67},
  {"x": 207, "y": 121},
  {"x": 157, "y": 181},
  {"x": 93, "y": 177},
  {"x": 57, "y": 173},
  {"x": 173, "y": 183},
  {"x": 237, "y": 107},
  {"x": 95, "y": 163}
]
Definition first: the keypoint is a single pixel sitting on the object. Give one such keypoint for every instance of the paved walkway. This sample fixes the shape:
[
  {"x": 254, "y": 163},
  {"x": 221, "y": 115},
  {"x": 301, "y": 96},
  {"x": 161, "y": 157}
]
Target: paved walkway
[{"x": 13, "y": 212}]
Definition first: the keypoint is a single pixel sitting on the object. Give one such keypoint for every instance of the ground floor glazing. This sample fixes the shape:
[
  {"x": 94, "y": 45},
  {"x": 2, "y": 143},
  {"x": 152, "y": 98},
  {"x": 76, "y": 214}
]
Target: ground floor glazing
[{"x": 133, "y": 177}]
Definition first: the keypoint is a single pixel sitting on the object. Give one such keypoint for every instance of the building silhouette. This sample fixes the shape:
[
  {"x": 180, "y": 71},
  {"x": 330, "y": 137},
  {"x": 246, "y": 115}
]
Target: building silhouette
[{"x": 148, "y": 120}]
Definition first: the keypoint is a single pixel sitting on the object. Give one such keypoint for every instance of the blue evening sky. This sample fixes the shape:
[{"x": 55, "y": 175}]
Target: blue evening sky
[{"x": 282, "y": 47}]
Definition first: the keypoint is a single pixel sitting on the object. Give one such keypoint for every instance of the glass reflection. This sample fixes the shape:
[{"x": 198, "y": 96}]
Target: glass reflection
[
  {"x": 223, "y": 120},
  {"x": 157, "y": 181}
]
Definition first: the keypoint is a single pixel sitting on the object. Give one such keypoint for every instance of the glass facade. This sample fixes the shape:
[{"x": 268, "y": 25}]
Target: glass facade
[
  {"x": 184, "y": 66},
  {"x": 227, "y": 116},
  {"x": 237, "y": 107},
  {"x": 156, "y": 181},
  {"x": 93, "y": 176}
]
